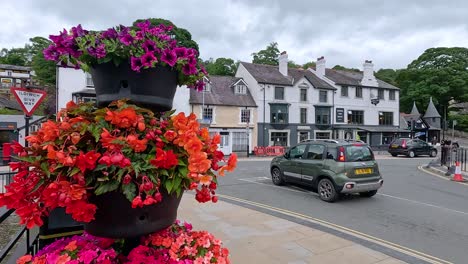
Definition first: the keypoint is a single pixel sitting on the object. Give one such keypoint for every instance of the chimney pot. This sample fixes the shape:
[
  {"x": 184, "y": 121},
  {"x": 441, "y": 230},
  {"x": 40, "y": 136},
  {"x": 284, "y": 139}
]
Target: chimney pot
[{"x": 284, "y": 52}]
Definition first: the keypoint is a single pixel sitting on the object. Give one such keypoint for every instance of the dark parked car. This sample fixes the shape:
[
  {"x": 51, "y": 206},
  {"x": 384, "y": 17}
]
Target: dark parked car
[
  {"x": 330, "y": 167},
  {"x": 411, "y": 148}
]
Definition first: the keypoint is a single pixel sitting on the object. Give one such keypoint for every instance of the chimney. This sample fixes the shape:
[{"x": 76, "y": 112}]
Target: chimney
[
  {"x": 283, "y": 63},
  {"x": 368, "y": 78},
  {"x": 320, "y": 67}
]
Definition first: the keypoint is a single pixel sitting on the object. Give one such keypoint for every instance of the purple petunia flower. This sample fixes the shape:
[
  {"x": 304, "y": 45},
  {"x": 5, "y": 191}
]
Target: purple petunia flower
[
  {"x": 148, "y": 59},
  {"x": 169, "y": 56},
  {"x": 188, "y": 69},
  {"x": 98, "y": 52},
  {"x": 78, "y": 31},
  {"x": 51, "y": 53},
  {"x": 191, "y": 60},
  {"x": 149, "y": 46},
  {"x": 144, "y": 26},
  {"x": 126, "y": 39},
  {"x": 111, "y": 33},
  {"x": 136, "y": 64},
  {"x": 181, "y": 52}
]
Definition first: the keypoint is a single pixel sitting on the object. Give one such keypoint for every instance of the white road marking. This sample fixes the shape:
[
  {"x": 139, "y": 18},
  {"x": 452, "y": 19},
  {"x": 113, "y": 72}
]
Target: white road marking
[{"x": 300, "y": 190}]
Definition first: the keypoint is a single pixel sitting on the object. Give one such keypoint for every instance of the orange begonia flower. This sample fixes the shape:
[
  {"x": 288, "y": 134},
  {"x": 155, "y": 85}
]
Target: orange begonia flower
[
  {"x": 205, "y": 179},
  {"x": 199, "y": 162}
]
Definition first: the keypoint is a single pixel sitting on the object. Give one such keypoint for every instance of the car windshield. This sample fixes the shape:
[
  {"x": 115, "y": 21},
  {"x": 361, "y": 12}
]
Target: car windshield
[{"x": 358, "y": 153}]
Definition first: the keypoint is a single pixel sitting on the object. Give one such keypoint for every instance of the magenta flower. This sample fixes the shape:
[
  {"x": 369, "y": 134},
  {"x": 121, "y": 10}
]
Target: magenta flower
[
  {"x": 148, "y": 59},
  {"x": 144, "y": 26},
  {"x": 188, "y": 69},
  {"x": 51, "y": 53},
  {"x": 98, "y": 52},
  {"x": 169, "y": 57},
  {"x": 136, "y": 64},
  {"x": 181, "y": 52},
  {"x": 111, "y": 33},
  {"x": 149, "y": 45},
  {"x": 126, "y": 39},
  {"x": 192, "y": 60},
  {"x": 78, "y": 31}
]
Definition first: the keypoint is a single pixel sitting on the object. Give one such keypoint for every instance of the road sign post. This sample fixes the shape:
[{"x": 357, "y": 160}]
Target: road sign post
[{"x": 29, "y": 100}]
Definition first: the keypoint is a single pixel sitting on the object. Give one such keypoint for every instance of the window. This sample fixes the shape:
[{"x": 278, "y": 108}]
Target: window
[
  {"x": 358, "y": 153},
  {"x": 303, "y": 95},
  {"x": 9, "y": 73},
  {"x": 279, "y": 138},
  {"x": 208, "y": 113},
  {"x": 344, "y": 91},
  {"x": 315, "y": 152},
  {"x": 381, "y": 94},
  {"x": 391, "y": 95},
  {"x": 322, "y": 135},
  {"x": 355, "y": 117},
  {"x": 89, "y": 80},
  {"x": 239, "y": 141},
  {"x": 358, "y": 92},
  {"x": 386, "y": 118},
  {"x": 303, "y": 115},
  {"x": 88, "y": 99},
  {"x": 322, "y": 115},
  {"x": 241, "y": 89},
  {"x": 279, "y": 93},
  {"x": 323, "y": 96},
  {"x": 332, "y": 153},
  {"x": 207, "y": 87},
  {"x": 387, "y": 138},
  {"x": 297, "y": 151},
  {"x": 245, "y": 116},
  {"x": 279, "y": 113},
  {"x": 303, "y": 135}
]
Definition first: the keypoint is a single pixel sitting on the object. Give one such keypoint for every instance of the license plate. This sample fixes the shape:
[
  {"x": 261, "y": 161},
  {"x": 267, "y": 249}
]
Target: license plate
[
  {"x": 363, "y": 171},
  {"x": 394, "y": 146}
]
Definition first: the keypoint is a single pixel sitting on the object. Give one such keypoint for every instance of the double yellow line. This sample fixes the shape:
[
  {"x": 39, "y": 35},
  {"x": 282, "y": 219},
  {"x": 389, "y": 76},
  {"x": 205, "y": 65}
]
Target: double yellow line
[{"x": 396, "y": 247}]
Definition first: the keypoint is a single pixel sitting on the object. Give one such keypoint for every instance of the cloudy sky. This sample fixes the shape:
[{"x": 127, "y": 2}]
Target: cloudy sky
[{"x": 391, "y": 33}]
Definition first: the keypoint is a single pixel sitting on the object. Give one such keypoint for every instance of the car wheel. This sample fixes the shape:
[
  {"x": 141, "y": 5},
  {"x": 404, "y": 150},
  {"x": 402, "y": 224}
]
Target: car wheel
[
  {"x": 327, "y": 191},
  {"x": 411, "y": 154},
  {"x": 368, "y": 194},
  {"x": 433, "y": 153},
  {"x": 394, "y": 155},
  {"x": 277, "y": 176}
]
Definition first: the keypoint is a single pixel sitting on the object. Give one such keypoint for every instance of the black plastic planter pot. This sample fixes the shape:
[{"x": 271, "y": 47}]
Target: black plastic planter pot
[
  {"x": 150, "y": 88},
  {"x": 115, "y": 217}
]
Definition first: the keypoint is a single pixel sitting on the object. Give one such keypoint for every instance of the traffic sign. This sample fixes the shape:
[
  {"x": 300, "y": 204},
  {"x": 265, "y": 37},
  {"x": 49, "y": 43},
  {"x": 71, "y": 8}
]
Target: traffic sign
[{"x": 29, "y": 99}]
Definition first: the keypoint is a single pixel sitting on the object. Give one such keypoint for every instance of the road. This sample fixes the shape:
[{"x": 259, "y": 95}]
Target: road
[{"x": 413, "y": 209}]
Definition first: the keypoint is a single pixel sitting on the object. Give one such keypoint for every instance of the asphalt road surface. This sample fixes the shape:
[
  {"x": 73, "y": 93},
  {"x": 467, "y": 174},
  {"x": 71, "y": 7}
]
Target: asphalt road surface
[{"x": 412, "y": 209}]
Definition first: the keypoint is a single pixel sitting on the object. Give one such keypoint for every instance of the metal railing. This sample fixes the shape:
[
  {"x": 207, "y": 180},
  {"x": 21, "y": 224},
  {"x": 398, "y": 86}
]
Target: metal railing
[{"x": 450, "y": 155}]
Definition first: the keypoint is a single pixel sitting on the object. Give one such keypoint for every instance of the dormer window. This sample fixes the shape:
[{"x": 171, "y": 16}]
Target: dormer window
[
  {"x": 89, "y": 80},
  {"x": 207, "y": 88},
  {"x": 240, "y": 88}
]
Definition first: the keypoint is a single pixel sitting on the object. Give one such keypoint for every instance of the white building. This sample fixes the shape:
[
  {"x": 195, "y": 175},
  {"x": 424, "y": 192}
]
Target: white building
[{"x": 296, "y": 104}]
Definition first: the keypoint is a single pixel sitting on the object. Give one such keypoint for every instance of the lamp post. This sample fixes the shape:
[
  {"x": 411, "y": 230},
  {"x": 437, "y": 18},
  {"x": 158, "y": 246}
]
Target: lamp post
[{"x": 263, "y": 127}]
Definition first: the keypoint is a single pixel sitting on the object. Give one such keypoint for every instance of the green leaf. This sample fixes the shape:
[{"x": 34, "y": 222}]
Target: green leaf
[
  {"x": 45, "y": 168},
  {"x": 178, "y": 192},
  {"x": 183, "y": 171},
  {"x": 177, "y": 181},
  {"x": 164, "y": 172},
  {"x": 169, "y": 184},
  {"x": 107, "y": 187},
  {"x": 74, "y": 171},
  {"x": 129, "y": 190},
  {"x": 181, "y": 162}
]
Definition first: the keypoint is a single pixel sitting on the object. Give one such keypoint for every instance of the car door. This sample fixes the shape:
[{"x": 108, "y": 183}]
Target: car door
[
  {"x": 312, "y": 164},
  {"x": 418, "y": 147},
  {"x": 291, "y": 166},
  {"x": 425, "y": 148}
]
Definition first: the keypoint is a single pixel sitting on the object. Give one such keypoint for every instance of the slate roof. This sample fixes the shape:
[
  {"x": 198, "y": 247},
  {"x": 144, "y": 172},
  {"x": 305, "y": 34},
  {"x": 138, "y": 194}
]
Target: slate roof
[
  {"x": 415, "y": 110},
  {"x": 297, "y": 74},
  {"x": 352, "y": 78},
  {"x": 6, "y": 103},
  {"x": 222, "y": 93},
  {"x": 15, "y": 67},
  {"x": 431, "y": 110},
  {"x": 270, "y": 74}
]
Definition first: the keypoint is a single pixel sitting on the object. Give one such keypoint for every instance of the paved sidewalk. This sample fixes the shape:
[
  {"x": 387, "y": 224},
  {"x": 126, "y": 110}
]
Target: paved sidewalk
[{"x": 255, "y": 237}]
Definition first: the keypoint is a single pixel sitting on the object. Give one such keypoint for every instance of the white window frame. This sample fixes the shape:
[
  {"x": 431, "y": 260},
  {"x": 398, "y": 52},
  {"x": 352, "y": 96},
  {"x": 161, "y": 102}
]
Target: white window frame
[
  {"x": 213, "y": 115},
  {"x": 89, "y": 80},
  {"x": 326, "y": 97},
  {"x": 250, "y": 116},
  {"x": 288, "y": 131},
  {"x": 322, "y": 131},
  {"x": 284, "y": 93},
  {"x": 355, "y": 92},
  {"x": 306, "y": 94},
  {"x": 240, "y": 88},
  {"x": 306, "y": 115},
  {"x": 299, "y": 135},
  {"x": 394, "y": 95}
]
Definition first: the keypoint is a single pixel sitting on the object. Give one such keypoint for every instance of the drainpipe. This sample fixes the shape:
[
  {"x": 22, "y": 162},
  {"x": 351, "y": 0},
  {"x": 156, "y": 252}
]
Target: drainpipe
[{"x": 263, "y": 132}]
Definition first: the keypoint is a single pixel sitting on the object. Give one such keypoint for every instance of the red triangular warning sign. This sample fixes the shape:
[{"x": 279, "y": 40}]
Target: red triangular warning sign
[{"x": 29, "y": 99}]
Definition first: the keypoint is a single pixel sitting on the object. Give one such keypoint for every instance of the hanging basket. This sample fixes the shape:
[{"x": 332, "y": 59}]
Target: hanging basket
[
  {"x": 115, "y": 217},
  {"x": 152, "y": 88}
]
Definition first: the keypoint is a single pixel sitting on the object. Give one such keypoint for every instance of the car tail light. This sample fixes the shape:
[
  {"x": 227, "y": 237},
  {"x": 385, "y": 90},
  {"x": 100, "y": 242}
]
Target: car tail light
[
  {"x": 341, "y": 155},
  {"x": 358, "y": 145},
  {"x": 403, "y": 145}
]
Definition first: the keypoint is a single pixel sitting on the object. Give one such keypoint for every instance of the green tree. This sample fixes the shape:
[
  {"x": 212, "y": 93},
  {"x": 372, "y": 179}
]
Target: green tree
[
  {"x": 439, "y": 72},
  {"x": 292, "y": 64},
  {"x": 183, "y": 36},
  {"x": 388, "y": 75},
  {"x": 221, "y": 66},
  {"x": 342, "y": 68},
  {"x": 15, "y": 56},
  {"x": 310, "y": 64},
  {"x": 268, "y": 56},
  {"x": 45, "y": 70}
]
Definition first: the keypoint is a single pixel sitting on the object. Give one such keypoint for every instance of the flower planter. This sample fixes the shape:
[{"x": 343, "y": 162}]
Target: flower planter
[
  {"x": 115, "y": 217},
  {"x": 153, "y": 88}
]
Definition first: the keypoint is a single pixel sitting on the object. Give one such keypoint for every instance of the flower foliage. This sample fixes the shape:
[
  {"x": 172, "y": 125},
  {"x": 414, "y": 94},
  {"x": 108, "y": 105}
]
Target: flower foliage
[
  {"x": 178, "y": 244},
  {"x": 143, "y": 46},
  {"x": 123, "y": 148}
]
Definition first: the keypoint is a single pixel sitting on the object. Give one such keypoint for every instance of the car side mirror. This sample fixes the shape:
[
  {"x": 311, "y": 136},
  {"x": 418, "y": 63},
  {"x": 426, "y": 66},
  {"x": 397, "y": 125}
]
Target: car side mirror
[{"x": 286, "y": 155}]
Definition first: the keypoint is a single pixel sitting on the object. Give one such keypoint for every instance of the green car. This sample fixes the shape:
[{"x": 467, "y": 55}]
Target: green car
[{"x": 330, "y": 167}]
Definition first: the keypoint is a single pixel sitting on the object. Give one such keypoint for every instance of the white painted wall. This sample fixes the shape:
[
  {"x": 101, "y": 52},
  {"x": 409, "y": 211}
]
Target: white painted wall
[
  {"x": 69, "y": 80},
  {"x": 181, "y": 100}
]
